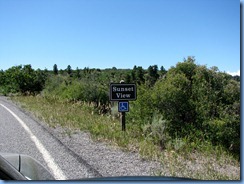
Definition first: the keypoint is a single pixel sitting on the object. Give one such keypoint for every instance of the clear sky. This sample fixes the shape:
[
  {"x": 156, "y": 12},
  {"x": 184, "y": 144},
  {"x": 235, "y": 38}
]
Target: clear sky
[{"x": 120, "y": 33}]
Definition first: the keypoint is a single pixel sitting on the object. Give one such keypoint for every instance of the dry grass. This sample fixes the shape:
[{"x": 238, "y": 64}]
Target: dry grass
[{"x": 204, "y": 165}]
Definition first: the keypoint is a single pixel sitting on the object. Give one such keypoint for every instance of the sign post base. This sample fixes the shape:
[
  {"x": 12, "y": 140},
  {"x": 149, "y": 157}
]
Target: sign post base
[{"x": 123, "y": 121}]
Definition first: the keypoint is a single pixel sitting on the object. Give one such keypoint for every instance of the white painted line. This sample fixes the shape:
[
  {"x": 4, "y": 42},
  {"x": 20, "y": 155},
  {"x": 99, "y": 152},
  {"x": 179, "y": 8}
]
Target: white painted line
[{"x": 56, "y": 171}]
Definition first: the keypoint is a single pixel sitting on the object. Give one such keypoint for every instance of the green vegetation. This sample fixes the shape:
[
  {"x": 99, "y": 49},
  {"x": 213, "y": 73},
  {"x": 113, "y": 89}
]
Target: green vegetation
[
  {"x": 180, "y": 115},
  {"x": 181, "y": 157},
  {"x": 22, "y": 80}
]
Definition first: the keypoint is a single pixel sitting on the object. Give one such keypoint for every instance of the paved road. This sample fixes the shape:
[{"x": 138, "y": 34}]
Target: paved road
[{"x": 19, "y": 133}]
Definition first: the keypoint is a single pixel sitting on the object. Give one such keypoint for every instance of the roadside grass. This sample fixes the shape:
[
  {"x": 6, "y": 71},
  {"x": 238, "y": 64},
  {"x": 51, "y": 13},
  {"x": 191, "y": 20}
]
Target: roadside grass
[{"x": 180, "y": 158}]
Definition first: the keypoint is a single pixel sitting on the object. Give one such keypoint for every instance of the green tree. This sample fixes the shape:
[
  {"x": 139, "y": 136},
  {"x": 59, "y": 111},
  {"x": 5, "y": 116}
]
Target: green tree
[
  {"x": 139, "y": 75},
  {"x": 237, "y": 78},
  {"x": 172, "y": 99},
  {"x": 152, "y": 75},
  {"x": 12, "y": 79},
  {"x": 39, "y": 81},
  {"x": 2, "y": 82},
  {"x": 128, "y": 78},
  {"x": 187, "y": 67},
  {"x": 142, "y": 109},
  {"x": 133, "y": 74},
  {"x": 24, "y": 80},
  {"x": 162, "y": 71},
  {"x": 55, "y": 69},
  {"x": 77, "y": 73},
  {"x": 2, "y": 77},
  {"x": 69, "y": 70},
  {"x": 208, "y": 87}
]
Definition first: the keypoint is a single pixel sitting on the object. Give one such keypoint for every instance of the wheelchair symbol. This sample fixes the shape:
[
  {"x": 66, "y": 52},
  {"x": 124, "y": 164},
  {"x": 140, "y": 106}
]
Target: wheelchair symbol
[{"x": 123, "y": 106}]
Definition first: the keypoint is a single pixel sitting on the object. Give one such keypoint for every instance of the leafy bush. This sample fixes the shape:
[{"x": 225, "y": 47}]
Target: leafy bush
[
  {"x": 224, "y": 133},
  {"x": 76, "y": 90},
  {"x": 141, "y": 110},
  {"x": 172, "y": 98},
  {"x": 22, "y": 79},
  {"x": 188, "y": 103}
]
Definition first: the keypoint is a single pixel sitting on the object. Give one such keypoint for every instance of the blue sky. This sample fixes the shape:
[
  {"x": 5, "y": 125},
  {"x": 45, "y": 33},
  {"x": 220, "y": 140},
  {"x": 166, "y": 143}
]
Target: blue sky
[{"x": 120, "y": 33}]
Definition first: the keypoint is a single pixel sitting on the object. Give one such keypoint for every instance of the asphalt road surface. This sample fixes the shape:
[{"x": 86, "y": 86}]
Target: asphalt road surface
[
  {"x": 21, "y": 134},
  {"x": 67, "y": 157}
]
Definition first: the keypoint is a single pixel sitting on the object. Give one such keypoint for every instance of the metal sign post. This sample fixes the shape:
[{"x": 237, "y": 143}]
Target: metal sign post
[
  {"x": 122, "y": 93},
  {"x": 123, "y": 121},
  {"x": 123, "y": 106}
]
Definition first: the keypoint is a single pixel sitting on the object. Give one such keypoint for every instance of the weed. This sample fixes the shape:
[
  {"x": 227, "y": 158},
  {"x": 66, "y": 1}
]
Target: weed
[{"x": 182, "y": 156}]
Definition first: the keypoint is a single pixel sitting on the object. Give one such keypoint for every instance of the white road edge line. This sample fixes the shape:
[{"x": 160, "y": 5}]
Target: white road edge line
[{"x": 56, "y": 171}]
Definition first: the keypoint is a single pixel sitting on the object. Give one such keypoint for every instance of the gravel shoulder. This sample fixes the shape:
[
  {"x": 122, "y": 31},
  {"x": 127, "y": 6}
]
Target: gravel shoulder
[
  {"x": 101, "y": 158},
  {"x": 107, "y": 160},
  {"x": 104, "y": 160}
]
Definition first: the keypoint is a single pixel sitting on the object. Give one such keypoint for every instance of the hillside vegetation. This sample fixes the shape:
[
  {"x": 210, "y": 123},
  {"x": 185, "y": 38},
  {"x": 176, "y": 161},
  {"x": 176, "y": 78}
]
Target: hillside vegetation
[{"x": 187, "y": 110}]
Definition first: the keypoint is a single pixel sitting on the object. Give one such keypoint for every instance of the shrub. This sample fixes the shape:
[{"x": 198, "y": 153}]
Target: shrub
[{"x": 156, "y": 131}]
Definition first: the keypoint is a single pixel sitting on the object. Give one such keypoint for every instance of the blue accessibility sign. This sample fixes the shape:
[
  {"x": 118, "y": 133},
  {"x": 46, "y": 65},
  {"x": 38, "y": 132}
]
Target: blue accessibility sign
[{"x": 123, "y": 106}]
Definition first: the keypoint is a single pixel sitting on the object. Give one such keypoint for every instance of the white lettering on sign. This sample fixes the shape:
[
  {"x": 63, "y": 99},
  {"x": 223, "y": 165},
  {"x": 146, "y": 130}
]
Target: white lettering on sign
[
  {"x": 122, "y": 89},
  {"x": 121, "y": 95},
  {"x": 123, "y": 92}
]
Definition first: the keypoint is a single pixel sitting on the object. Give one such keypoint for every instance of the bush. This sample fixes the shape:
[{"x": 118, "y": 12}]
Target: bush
[
  {"x": 221, "y": 132},
  {"x": 172, "y": 98},
  {"x": 157, "y": 131},
  {"x": 141, "y": 110},
  {"x": 22, "y": 79},
  {"x": 76, "y": 90}
]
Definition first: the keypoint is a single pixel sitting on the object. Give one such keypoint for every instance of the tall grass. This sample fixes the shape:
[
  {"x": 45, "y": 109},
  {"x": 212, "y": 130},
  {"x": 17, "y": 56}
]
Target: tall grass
[{"x": 180, "y": 157}]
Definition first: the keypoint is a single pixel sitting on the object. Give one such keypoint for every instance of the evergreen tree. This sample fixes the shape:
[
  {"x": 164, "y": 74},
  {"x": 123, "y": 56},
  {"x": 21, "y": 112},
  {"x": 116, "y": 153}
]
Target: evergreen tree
[
  {"x": 162, "y": 71},
  {"x": 69, "y": 70},
  {"x": 55, "y": 69},
  {"x": 139, "y": 75},
  {"x": 77, "y": 73},
  {"x": 133, "y": 74},
  {"x": 152, "y": 74},
  {"x": 127, "y": 78}
]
